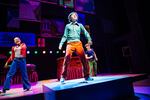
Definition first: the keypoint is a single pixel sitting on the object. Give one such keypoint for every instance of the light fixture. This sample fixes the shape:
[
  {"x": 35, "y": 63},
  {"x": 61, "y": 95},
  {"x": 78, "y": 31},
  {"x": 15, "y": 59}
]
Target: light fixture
[
  {"x": 64, "y": 51},
  {"x": 44, "y": 52},
  {"x": 35, "y": 52},
  {"x": 51, "y": 52},
  {"x": 28, "y": 52}
]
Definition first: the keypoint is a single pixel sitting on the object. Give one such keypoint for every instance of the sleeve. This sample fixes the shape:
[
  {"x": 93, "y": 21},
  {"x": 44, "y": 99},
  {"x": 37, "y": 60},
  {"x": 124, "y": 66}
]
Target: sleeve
[
  {"x": 9, "y": 59},
  {"x": 85, "y": 52},
  {"x": 64, "y": 38},
  {"x": 11, "y": 56},
  {"x": 23, "y": 49},
  {"x": 87, "y": 35}
]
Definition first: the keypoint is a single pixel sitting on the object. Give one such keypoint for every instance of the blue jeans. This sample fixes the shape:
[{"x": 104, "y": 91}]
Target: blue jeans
[{"x": 17, "y": 63}]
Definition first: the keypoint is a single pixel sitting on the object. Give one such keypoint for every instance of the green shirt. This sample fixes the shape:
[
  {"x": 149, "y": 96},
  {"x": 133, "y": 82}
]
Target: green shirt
[{"x": 72, "y": 33}]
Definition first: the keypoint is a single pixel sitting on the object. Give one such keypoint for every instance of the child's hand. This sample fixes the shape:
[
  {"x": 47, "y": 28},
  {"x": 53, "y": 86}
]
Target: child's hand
[
  {"x": 60, "y": 47},
  {"x": 96, "y": 59}
]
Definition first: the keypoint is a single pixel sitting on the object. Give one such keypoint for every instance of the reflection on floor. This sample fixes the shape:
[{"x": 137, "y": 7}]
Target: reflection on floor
[{"x": 142, "y": 89}]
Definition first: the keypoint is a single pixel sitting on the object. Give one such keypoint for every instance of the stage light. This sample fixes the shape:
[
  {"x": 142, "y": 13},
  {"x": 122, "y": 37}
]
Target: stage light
[
  {"x": 35, "y": 52},
  {"x": 44, "y": 52},
  {"x": 57, "y": 52},
  {"x": 10, "y": 52},
  {"x": 28, "y": 52},
  {"x": 51, "y": 52},
  {"x": 64, "y": 51}
]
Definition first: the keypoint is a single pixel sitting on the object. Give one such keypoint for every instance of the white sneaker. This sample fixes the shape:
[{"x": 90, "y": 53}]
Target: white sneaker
[
  {"x": 62, "y": 80},
  {"x": 29, "y": 89},
  {"x": 89, "y": 78}
]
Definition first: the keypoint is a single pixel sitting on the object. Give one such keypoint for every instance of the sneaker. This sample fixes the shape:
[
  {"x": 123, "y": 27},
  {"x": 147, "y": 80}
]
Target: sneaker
[
  {"x": 89, "y": 79},
  {"x": 29, "y": 89},
  {"x": 3, "y": 91},
  {"x": 62, "y": 80}
]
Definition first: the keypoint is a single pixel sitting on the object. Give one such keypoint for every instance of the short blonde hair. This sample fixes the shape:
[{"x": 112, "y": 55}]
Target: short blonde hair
[
  {"x": 69, "y": 16},
  {"x": 16, "y": 38},
  {"x": 87, "y": 44}
]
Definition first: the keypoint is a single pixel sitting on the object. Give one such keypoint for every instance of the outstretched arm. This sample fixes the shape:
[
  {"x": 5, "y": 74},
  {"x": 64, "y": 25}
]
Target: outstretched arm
[
  {"x": 63, "y": 39},
  {"x": 9, "y": 59},
  {"x": 87, "y": 35}
]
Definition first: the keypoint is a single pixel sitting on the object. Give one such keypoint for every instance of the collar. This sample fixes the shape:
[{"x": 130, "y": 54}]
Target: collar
[{"x": 74, "y": 23}]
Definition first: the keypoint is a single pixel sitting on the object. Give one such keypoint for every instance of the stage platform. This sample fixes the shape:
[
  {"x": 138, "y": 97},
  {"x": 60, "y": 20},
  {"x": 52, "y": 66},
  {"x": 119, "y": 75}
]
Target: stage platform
[
  {"x": 117, "y": 87},
  {"x": 104, "y": 87}
]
